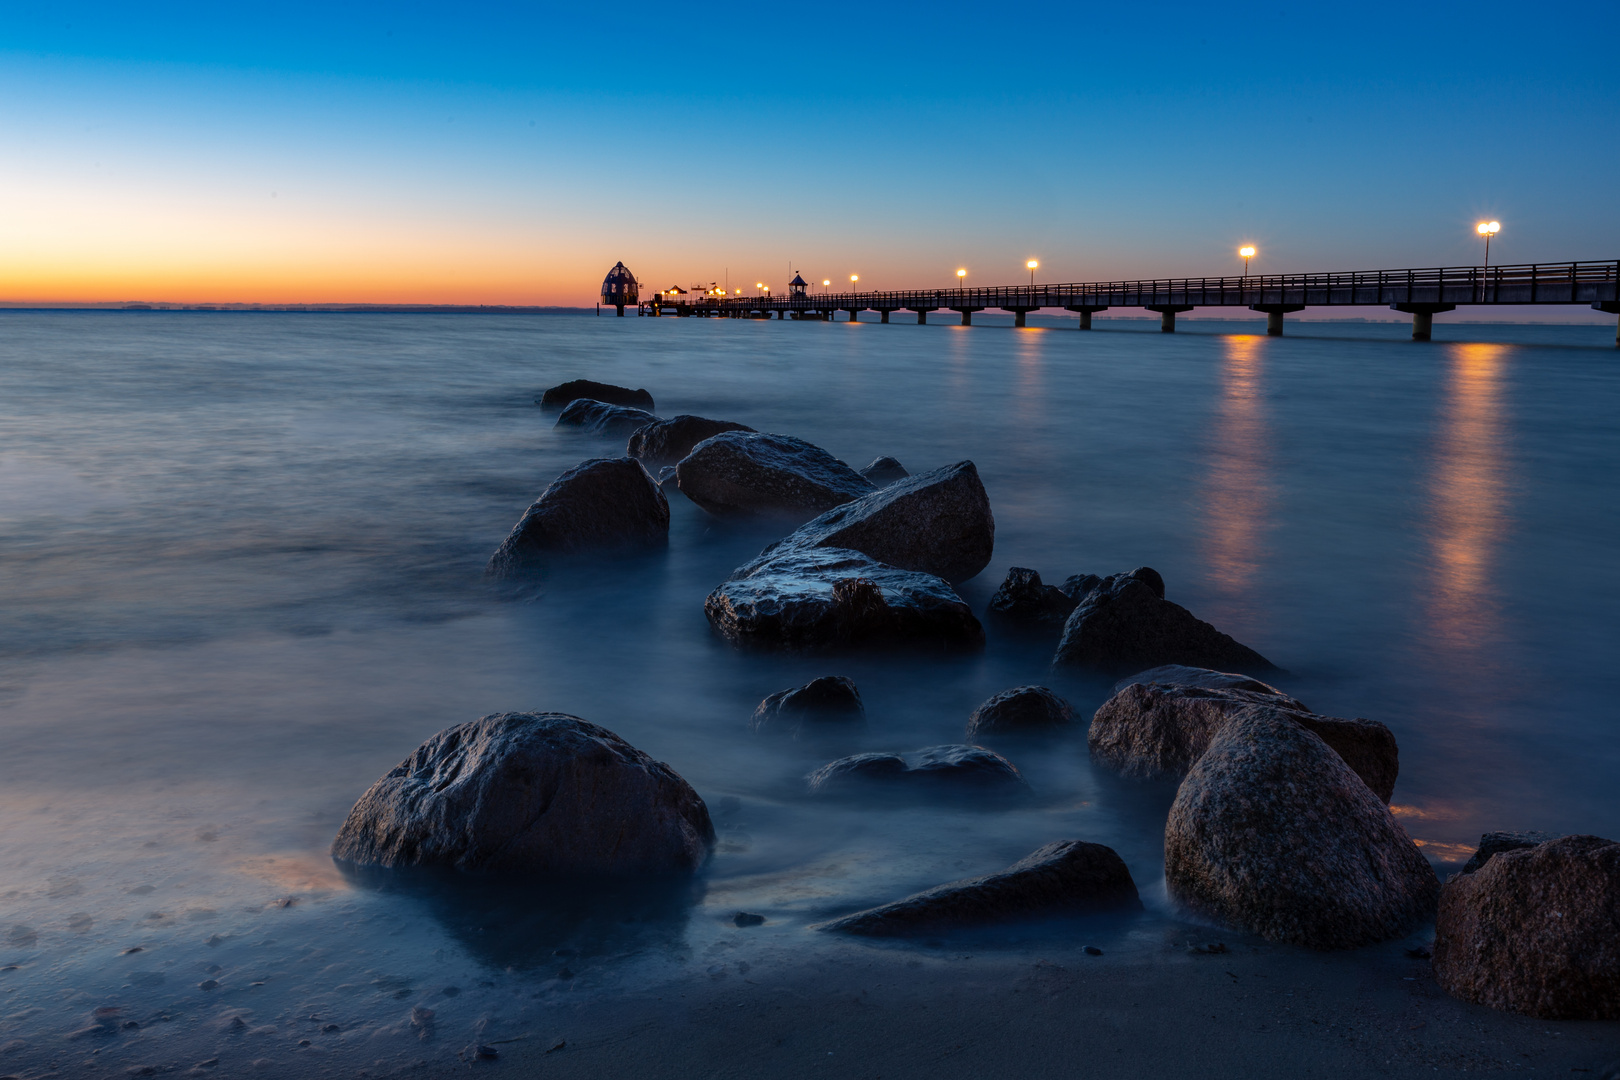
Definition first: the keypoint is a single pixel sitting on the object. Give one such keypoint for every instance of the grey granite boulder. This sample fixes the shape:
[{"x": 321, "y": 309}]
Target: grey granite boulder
[
  {"x": 600, "y": 418},
  {"x": 1272, "y": 833},
  {"x": 1024, "y": 598},
  {"x": 937, "y": 522},
  {"x": 1068, "y": 877},
  {"x": 1126, "y": 625},
  {"x": 742, "y": 473},
  {"x": 830, "y": 703},
  {"x": 559, "y": 396},
  {"x": 1535, "y": 930},
  {"x": 816, "y": 598},
  {"x": 933, "y": 770},
  {"x": 1020, "y": 711},
  {"x": 1155, "y": 729},
  {"x": 664, "y": 442},
  {"x": 884, "y": 470},
  {"x": 599, "y": 505},
  {"x": 1209, "y": 679},
  {"x": 1494, "y": 843},
  {"x": 529, "y": 793},
  {"x": 1078, "y": 586}
]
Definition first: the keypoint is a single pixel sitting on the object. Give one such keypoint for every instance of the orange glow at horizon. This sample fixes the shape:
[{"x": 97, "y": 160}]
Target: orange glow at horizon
[{"x": 1239, "y": 484}]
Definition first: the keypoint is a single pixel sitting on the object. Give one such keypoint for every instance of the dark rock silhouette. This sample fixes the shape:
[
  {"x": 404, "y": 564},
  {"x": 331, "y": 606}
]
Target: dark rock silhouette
[
  {"x": 1209, "y": 679},
  {"x": 1535, "y": 930},
  {"x": 559, "y": 396},
  {"x": 664, "y": 442},
  {"x": 1021, "y": 710},
  {"x": 1126, "y": 625},
  {"x": 1272, "y": 833},
  {"x": 599, "y": 505},
  {"x": 1024, "y": 598},
  {"x": 529, "y": 793},
  {"x": 884, "y": 470},
  {"x": 600, "y": 418},
  {"x": 1062, "y": 878},
  {"x": 1494, "y": 843},
  {"x": 935, "y": 769},
  {"x": 831, "y": 702},
  {"x": 742, "y": 473}
]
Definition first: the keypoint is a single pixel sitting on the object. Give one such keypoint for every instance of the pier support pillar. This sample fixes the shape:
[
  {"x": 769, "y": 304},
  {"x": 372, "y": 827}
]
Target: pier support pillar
[
  {"x": 1020, "y": 314},
  {"x": 1274, "y": 315},
  {"x": 1086, "y": 311},
  {"x": 922, "y": 314},
  {"x": 967, "y": 314},
  {"x": 885, "y": 313},
  {"x": 1613, "y": 308},
  {"x": 854, "y": 314},
  {"x": 1422, "y": 317},
  {"x": 1167, "y": 316},
  {"x": 621, "y": 310}
]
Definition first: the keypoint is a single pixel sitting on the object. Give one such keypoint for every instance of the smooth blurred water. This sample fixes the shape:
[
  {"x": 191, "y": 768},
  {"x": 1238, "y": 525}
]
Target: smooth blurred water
[{"x": 240, "y": 562}]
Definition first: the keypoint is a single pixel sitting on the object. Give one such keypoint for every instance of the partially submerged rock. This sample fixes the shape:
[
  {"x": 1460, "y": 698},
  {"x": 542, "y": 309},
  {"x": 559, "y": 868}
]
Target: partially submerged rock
[
  {"x": 1021, "y": 710},
  {"x": 1125, "y": 625},
  {"x": 600, "y": 418},
  {"x": 831, "y": 702},
  {"x": 1494, "y": 843},
  {"x": 598, "y": 505},
  {"x": 1272, "y": 833},
  {"x": 1535, "y": 930},
  {"x": 559, "y": 396},
  {"x": 818, "y": 598},
  {"x": 1182, "y": 675},
  {"x": 884, "y": 470},
  {"x": 939, "y": 769},
  {"x": 742, "y": 472},
  {"x": 1024, "y": 598},
  {"x": 529, "y": 793},
  {"x": 937, "y": 522},
  {"x": 664, "y": 442},
  {"x": 1063, "y": 878}
]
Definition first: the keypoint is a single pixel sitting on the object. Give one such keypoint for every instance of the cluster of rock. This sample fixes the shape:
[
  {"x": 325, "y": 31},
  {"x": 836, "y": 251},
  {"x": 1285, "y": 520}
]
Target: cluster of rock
[{"x": 943, "y": 770}]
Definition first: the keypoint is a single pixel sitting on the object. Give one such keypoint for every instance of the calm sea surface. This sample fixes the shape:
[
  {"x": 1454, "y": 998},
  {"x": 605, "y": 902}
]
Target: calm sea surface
[{"x": 240, "y": 578}]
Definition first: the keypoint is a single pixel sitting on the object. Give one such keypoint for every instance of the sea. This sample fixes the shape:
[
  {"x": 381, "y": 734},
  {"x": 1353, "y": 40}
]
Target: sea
[{"x": 242, "y": 576}]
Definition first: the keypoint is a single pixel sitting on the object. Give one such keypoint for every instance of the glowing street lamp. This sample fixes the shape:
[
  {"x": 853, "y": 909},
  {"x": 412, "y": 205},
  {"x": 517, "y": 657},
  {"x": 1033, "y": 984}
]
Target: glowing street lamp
[
  {"x": 1247, "y": 252},
  {"x": 960, "y": 274},
  {"x": 1488, "y": 229},
  {"x": 1032, "y": 264},
  {"x": 853, "y": 278}
]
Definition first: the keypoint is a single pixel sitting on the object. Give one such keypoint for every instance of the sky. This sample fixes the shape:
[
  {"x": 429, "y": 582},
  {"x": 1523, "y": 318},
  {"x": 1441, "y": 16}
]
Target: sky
[{"x": 511, "y": 154}]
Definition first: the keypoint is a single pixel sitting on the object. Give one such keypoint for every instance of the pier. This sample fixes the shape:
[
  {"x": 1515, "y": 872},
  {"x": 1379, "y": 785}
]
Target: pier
[{"x": 1421, "y": 293}]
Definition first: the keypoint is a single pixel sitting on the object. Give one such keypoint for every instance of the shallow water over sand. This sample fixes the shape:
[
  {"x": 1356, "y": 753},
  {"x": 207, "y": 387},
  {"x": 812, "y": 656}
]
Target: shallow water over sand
[{"x": 241, "y": 560}]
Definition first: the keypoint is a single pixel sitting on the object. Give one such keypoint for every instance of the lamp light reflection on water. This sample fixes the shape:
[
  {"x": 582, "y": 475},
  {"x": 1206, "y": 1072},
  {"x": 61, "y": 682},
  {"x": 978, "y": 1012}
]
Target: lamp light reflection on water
[{"x": 1240, "y": 496}]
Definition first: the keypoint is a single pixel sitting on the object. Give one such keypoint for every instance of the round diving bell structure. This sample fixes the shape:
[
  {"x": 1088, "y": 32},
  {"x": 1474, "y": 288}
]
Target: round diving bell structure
[{"x": 620, "y": 288}]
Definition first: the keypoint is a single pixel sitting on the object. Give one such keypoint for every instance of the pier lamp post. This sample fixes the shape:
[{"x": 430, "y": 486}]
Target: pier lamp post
[
  {"x": 853, "y": 278},
  {"x": 960, "y": 274},
  {"x": 1488, "y": 229},
  {"x": 1032, "y": 264},
  {"x": 1247, "y": 252}
]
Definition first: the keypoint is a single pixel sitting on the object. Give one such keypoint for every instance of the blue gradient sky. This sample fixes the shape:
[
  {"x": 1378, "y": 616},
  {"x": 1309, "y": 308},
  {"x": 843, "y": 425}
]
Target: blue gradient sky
[{"x": 511, "y": 154}]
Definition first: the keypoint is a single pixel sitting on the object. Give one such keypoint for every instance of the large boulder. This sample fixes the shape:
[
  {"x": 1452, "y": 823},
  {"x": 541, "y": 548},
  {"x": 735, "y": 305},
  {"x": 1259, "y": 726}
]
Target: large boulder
[
  {"x": 529, "y": 793},
  {"x": 598, "y": 505},
  {"x": 1125, "y": 625},
  {"x": 1494, "y": 843},
  {"x": 743, "y": 472},
  {"x": 1535, "y": 930},
  {"x": 664, "y": 442},
  {"x": 1272, "y": 833},
  {"x": 830, "y": 703},
  {"x": 1024, "y": 598},
  {"x": 600, "y": 418},
  {"x": 1020, "y": 711},
  {"x": 1151, "y": 730},
  {"x": 1067, "y": 877},
  {"x": 815, "y": 598},
  {"x": 1209, "y": 679},
  {"x": 936, "y": 522},
  {"x": 559, "y": 396},
  {"x": 884, "y": 470},
  {"x": 934, "y": 770}
]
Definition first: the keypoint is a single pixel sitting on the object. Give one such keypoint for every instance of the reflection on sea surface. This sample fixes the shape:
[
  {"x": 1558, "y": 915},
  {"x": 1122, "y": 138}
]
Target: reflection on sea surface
[
  {"x": 1238, "y": 491},
  {"x": 1467, "y": 497}
]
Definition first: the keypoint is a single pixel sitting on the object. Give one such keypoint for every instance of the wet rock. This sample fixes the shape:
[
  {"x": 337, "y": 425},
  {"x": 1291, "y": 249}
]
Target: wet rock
[
  {"x": 1494, "y": 843},
  {"x": 664, "y": 442},
  {"x": 1024, "y": 598},
  {"x": 820, "y": 598},
  {"x": 1125, "y": 625},
  {"x": 599, "y": 505},
  {"x": 831, "y": 702},
  {"x": 1065, "y": 877},
  {"x": 559, "y": 396},
  {"x": 745, "y": 918},
  {"x": 1078, "y": 586},
  {"x": 884, "y": 470},
  {"x": 937, "y": 522},
  {"x": 1153, "y": 729},
  {"x": 529, "y": 793},
  {"x": 1535, "y": 930},
  {"x": 1182, "y": 675},
  {"x": 943, "y": 769},
  {"x": 742, "y": 473},
  {"x": 1273, "y": 833},
  {"x": 1021, "y": 710},
  {"x": 600, "y": 418}
]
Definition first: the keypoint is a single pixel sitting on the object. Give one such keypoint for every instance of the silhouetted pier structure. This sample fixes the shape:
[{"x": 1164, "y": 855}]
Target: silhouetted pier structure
[{"x": 1421, "y": 293}]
